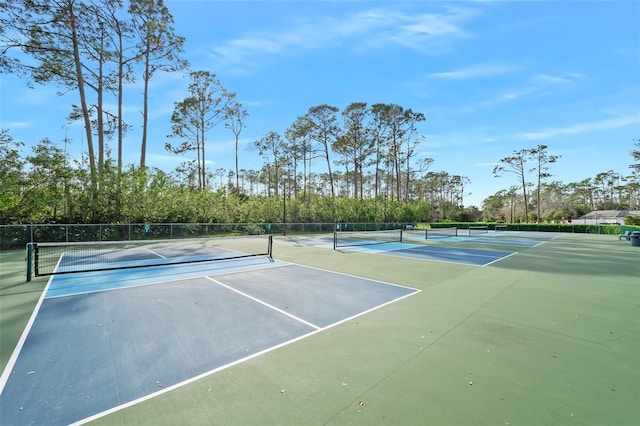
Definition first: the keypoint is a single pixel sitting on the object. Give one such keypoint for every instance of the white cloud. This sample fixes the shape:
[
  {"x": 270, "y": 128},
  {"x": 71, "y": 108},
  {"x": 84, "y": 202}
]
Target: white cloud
[
  {"x": 546, "y": 80},
  {"x": 539, "y": 83},
  {"x": 14, "y": 124},
  {"x": 372, "y": 29},
  {"x": 488, "y": 164},
  {"x": 255, "y": 103},
  {"x": 475, "y": 71},
  {"x": 163, "y": 161},
  {"x": 592, "y": 126}
]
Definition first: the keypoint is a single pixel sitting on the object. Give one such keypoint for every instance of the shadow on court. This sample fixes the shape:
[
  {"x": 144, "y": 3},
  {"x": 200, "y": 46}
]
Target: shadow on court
[{"x": 92, "y": 352}]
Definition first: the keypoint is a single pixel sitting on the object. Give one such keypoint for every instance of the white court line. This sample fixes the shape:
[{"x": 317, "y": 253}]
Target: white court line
[
  {"x": 358, "y": 277},
  {"x": 264, "y": 303},
  {"x": 16, "y": 352},
  {"x": 499, "y": 259},
  {"x": 25, "y": 333},
  {"x": 155, "y": 253}
]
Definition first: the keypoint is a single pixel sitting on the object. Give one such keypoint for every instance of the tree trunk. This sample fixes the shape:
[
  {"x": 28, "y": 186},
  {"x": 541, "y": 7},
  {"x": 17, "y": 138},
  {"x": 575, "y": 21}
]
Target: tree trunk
[
  {"x": 145, "y": 108},
  {"x": 83, "y": 103}
]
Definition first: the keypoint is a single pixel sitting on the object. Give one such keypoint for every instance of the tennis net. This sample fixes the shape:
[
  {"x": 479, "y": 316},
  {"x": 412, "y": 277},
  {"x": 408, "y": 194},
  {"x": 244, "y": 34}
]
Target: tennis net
[
  {"x": 438, "y": 233},
  {"x": 476, "y": 230},
  {"x": 362, "y": 238},
  {"x": 65, "y": 258}
]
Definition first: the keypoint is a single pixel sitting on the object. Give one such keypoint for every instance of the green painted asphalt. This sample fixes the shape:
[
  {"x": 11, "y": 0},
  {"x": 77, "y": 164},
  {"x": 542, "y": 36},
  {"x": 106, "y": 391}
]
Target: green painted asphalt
[{"x": 548, "y": 336}]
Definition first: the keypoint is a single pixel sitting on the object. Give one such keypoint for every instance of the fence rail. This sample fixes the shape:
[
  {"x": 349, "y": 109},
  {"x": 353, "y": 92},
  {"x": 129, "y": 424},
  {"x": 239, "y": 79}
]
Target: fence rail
[{"x": 17, "y": 236}]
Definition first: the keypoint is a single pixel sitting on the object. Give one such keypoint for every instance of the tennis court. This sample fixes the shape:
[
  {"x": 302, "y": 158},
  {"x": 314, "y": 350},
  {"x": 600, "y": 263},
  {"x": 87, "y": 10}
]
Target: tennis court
[
  {"x": 139, "y": 333},
  {"x": 413, "y": 244},
  {"x": 460, "y": 255},
  {"x": 548, "y": 336}
]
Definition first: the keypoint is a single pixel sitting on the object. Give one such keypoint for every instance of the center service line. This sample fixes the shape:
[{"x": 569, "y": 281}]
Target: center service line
[{"x": 264, "y": 303}]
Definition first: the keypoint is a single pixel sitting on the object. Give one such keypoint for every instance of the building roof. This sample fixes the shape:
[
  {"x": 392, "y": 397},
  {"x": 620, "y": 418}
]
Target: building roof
[{"x": 612, "y": 214}]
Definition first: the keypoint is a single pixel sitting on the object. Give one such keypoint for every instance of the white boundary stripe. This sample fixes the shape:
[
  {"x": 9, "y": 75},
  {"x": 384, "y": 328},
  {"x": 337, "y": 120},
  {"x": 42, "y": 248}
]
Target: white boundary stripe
[
  {"x": 262, "y": 302},
  {"x": 16, "y": 352},
  {"x": 156, "y": 254},
  {"x": 359, "y": 277},
  {"x": 498, "y": 260},
  {"x": 239, "y": 361}
]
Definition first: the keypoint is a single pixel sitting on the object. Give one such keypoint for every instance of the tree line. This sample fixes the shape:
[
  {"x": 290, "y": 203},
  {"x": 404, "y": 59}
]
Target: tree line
[
  {"x": 555, "y": 200},
  {"x": 46, "y": 186}
]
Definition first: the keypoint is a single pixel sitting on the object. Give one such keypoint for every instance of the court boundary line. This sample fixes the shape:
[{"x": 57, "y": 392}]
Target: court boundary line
[
  {"x": 356, "y": 276},
  {"x": 247, "y": 358},
  {"x": 4, "y": 378},
  {"x": 262, "y": 302},
  {"x": 156, "y": 254},
  {"x": 499, "y": 259}
]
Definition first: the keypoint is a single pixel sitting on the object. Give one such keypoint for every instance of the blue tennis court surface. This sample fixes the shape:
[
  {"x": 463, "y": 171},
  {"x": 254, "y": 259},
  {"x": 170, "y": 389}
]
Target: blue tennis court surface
[
  {"x": 65, "y": 285},
  {"x": 467, "y": 256},
  {"x": 506, "y": 238},
  {"x": 439, "y": 253},
  {"x": 89, "y": 351},
  {"x": 489, "y": 241},
  {"x": 414, "y": 245}
]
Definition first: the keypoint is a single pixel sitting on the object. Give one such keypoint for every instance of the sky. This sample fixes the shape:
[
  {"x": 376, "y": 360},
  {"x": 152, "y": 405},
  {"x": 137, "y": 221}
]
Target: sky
[{"x": 491, "y": 77}]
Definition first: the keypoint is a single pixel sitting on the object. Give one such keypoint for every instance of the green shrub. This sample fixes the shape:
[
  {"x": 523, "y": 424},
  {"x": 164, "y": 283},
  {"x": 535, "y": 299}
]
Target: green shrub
[{"x": 632, "y": 220}]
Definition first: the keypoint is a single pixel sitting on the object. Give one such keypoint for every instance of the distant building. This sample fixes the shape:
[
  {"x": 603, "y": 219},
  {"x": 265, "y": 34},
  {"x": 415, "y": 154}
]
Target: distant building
[{"x": 605, "y": 217}]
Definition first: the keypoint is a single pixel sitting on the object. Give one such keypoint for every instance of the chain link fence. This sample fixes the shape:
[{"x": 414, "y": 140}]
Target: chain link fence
[{"x": 17, "y": 236}]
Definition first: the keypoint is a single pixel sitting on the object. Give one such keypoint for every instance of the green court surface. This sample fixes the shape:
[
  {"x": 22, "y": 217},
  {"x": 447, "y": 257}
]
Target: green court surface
[{"x": 548, "y": 336}]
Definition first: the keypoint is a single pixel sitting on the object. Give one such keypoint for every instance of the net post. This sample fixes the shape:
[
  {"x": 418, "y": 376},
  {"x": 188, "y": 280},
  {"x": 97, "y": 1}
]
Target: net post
[
  {"x": 401, "y": 235},
  {"x": 270, "y": 250},
  {"x": 29, "y": 261},
  {"x": 36, "y": 260},
  {"x": 335, "y": 239}
]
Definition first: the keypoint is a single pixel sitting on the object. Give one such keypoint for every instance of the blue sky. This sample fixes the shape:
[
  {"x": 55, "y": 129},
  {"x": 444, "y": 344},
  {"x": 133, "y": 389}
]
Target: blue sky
[{"x": 491, "y": 77}]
